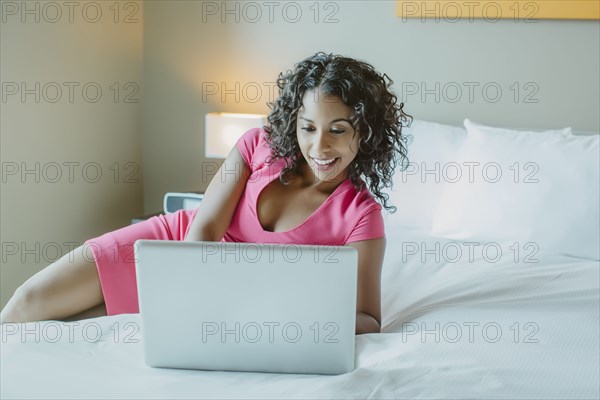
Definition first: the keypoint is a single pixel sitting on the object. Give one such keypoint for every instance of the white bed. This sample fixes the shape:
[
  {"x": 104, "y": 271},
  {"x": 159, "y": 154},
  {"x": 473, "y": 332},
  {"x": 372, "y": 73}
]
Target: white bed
[{"x": 518, "y": 325}]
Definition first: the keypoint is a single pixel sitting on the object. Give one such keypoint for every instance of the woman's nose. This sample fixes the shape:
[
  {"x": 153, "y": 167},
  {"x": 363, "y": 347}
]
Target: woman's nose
[{"x": 321, "y": 141}]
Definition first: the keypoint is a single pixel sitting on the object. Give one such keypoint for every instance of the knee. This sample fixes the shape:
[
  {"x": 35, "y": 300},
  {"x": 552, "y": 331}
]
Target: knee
[{"x": 21, "y": 306}]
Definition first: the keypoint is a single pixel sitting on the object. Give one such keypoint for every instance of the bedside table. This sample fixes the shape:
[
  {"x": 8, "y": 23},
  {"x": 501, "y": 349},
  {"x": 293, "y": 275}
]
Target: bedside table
[{"x": 174, "y": 201}]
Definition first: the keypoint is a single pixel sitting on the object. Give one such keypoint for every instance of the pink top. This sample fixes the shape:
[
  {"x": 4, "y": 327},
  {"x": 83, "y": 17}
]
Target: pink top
[{"x": 346, "y": 216}]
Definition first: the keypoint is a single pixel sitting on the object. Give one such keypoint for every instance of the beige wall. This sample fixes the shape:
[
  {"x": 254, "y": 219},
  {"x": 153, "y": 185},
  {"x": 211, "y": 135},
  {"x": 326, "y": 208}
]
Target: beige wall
[
  {"x": 65, "y": 138},
  {"x": 547, "y": 71}
]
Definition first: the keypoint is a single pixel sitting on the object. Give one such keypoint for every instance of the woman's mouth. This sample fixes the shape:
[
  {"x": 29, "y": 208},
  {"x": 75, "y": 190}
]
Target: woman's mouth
[{"x": 325, "y": 164}]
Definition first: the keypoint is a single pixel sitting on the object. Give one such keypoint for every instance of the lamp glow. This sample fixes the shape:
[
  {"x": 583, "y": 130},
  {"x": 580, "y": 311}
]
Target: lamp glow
[{"x": 224, "y": 129}]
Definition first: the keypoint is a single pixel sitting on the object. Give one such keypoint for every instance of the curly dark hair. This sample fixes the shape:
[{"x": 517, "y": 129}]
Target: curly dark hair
[{"x": 377, "y": 117}]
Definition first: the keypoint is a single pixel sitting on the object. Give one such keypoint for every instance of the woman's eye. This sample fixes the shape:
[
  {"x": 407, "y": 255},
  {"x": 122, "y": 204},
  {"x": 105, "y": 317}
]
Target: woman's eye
[
  {"x": 307, "y": 128},
  {"x": 338, "y": 131}
]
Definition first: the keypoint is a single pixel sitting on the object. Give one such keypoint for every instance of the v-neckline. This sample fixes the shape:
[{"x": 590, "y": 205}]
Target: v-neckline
[{"x": 270, "y": 180}]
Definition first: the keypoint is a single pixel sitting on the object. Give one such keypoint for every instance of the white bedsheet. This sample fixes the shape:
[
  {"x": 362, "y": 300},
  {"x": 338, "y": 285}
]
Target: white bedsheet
[{"x": 527, "y": 330}]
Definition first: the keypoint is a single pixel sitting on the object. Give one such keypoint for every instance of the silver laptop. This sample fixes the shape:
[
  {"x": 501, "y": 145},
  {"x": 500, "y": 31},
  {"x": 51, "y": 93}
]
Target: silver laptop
[{"x": 247, "y": 306}]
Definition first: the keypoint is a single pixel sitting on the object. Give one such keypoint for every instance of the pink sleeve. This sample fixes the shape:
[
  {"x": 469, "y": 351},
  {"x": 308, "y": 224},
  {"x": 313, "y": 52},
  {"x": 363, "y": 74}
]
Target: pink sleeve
[
  {"x": 370, "y": 226},
  {"x": 247, "y": 144}
]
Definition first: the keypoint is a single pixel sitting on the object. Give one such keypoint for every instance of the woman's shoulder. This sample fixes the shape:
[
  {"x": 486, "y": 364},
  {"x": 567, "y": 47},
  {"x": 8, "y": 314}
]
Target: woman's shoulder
[
  {"x": 253, "y": 146},
  {"x": 356, "y": 215},
  {"x": 252, "y": 137},
  {"x": 356, "y": 200}
]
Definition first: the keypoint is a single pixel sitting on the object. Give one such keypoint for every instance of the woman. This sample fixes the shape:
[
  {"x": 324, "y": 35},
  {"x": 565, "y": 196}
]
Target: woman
[{"x": 298, "y": 180}]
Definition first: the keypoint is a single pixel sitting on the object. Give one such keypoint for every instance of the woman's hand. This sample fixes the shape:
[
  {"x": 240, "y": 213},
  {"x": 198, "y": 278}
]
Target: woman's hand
[{"x": 368, "y": 296}]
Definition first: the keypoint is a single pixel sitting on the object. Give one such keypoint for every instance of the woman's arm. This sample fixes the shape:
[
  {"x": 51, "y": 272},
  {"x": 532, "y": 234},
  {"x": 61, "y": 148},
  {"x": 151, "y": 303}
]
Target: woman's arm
[
  {"x": 368, "y": 301},
  {"x": 220, "y": 200}
]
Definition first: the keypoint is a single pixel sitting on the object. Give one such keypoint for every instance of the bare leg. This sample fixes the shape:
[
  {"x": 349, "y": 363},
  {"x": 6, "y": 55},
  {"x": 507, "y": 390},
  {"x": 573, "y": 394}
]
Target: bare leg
[
  {"x": 65, "y": 288},
  {"x": 98, "y": 311}
]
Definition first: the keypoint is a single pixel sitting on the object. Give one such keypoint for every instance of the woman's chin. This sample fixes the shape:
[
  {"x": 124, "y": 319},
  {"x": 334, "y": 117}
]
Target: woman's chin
[{"x": 335, "y": 177}]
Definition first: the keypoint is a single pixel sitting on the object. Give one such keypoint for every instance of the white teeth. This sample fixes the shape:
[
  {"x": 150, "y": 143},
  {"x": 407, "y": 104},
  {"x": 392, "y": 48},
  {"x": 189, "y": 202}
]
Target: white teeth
[{"x": 324, "y": 162}]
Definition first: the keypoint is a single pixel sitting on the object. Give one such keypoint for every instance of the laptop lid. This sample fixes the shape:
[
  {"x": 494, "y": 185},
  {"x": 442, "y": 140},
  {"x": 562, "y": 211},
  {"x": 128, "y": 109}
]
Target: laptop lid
[{"x": 247, "y": 306}]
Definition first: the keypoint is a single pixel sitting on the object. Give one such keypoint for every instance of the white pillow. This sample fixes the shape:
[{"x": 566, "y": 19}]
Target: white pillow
[
  {"x": 547, "y": 193},
  {"x": 500, "y": 131},
  {"x": 416, "y": 194}
]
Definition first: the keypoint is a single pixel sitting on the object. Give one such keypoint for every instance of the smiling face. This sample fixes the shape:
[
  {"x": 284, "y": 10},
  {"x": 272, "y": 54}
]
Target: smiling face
[{"x": 326, "y": 138}]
